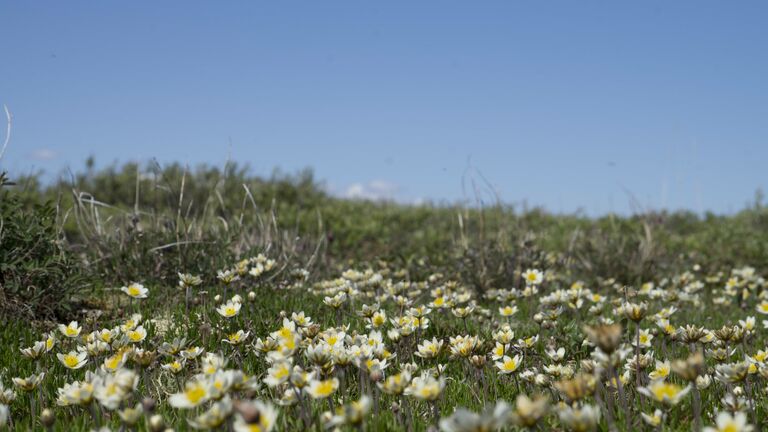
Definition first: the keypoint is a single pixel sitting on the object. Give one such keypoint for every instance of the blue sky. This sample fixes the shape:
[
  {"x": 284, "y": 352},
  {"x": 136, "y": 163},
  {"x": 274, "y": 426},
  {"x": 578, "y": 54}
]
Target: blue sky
[{"x": 570, "y": 105}]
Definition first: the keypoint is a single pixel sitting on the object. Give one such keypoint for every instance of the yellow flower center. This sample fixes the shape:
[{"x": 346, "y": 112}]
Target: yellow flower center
[
  {"x": 282, "y": 373},
  {"x": 195, "y": 393},
  {"x": 112, "y": 362},
  {"x": 325, "y": 388},
  {"x": 71, "y": 360},
  {"x": 668, "y": 390}
]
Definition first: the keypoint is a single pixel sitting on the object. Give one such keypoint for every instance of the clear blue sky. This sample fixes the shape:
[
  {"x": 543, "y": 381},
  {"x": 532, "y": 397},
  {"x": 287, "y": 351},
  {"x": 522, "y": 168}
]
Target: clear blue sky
[{"x": 567, "y": 104}]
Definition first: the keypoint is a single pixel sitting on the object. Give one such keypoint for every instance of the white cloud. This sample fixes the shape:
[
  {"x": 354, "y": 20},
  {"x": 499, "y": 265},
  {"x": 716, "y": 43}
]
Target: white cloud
[
  {"x": 44, "y": 154},
  {"x": 376, "y": 190}
]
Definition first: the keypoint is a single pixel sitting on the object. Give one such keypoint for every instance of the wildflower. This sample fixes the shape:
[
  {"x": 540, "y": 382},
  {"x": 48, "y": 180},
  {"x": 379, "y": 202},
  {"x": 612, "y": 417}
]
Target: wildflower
[
  {"x": 130, "y": 416},
  {"x": 6, "y": 395},
  {"x": 106, "y": 335},
  {"x": 528, "y": 411},
  {"x": 278, "y": 374},
  {"x": 644, "y": 340},
  {"x": 137, "y": 335},
  {"x": 762, "y": 307},
  {"x": 635, "y": 312},
  {"x": 71, "y": 330},
  {"x": 175, "y": 366},
  {"x": 322, "y": 389},
  {"x": 508, "y": 311},
  {"x": 426, "y": 387},
  {"x": 351, "y": 414},
  {"x": 580, "y": 419},
  {"x": 131, "y": 323},
  {"x": 378, "y": 319},
  {"x": 135, "y": 290},
  {"x": 255, "y": 416},
  {"x": 111, "y": 390},
  {"x": 661, "y": 371},
  {"x": 730, "y": 423},
  {"x": 115, "y": 361},
  {"x": 508, "y": 365},
  {"x": 214, "y": 417},
  {"x": 236, "y": 338},
  {"x": 73, "y": 360},
  {"x": 187, "y": 280},
  {"x": 191, "y": 353},
  {"x": 430, "y": 349},
  {"x": 395, "y": 384},
  {"x": 577, "y": 388},
  {"x": 605, "y": 337},
  {"x": 556, "y": 354},
  {"x": 462, "y": 420},
  {"x": 173, "y": 348},
  {"x": 689, "y": 369},
  {"x": 747, "y": 324},
  {"x": 653, "y": 420},
  {"x": 667, "y": 393},
  {"x": 229, "y": 309},
  {"x": 227, "y": 277},
  {"x": 35, "y": 351},
  {"x": 733, "y": 372},
  {"x": 533, "y": 277},
  {"x": 195, "y": 393},
  {"x": 30, "y": 383},
  {"x": 76, "y": 393}
]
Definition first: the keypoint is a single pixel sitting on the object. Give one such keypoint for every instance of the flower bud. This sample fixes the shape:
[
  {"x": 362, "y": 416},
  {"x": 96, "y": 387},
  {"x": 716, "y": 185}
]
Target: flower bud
[
  {"x": 47, "y": 418},
  {"x": 156, "y": 423}
]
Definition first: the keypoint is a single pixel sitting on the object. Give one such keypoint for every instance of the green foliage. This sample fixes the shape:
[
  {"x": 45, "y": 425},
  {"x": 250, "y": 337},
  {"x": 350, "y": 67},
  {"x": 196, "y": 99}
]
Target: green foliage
[{"x": 37, "y": 277}]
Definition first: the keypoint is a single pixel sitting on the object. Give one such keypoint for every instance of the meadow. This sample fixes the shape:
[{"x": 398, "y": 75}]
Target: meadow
[{"x": 166, "y": 298}]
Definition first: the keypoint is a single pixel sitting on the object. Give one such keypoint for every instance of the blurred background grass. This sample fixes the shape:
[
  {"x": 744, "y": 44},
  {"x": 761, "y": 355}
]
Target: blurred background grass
[{"x": 64, "y": 241}]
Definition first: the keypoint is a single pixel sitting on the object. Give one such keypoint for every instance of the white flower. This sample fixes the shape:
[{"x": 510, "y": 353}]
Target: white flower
[
  {"x": 255, "y": 416},
  {"x": 195, "y": 393},
  {"x": 322, "y": 389},
  {"x": 71, "y": 330},
  {"x": 533, "y": 277},
  {"x": 727, "y": 423},
  {"x": 426, "y": 387},
  {"x": 135, "y": 290},
  {"x": 73, "y": 360},
  {"x": 229, "y": 309},
  {"x": 508, "y": 364}
]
